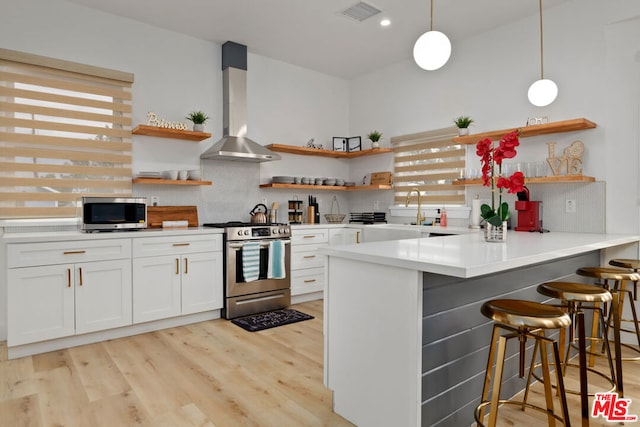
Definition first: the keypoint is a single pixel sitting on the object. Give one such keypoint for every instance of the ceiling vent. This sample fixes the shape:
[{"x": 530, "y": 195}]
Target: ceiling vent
[{"x": 360, "y": 11}]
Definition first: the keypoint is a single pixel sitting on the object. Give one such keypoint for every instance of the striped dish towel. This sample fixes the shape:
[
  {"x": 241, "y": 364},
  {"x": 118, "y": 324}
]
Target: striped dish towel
[
  {"x": 275, "y": 267},
  {"x": 250, "y": 261}
]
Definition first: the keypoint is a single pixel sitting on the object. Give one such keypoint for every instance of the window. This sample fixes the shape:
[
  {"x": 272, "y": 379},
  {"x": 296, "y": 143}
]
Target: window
[
  {"x": 429, "y": 161},
  {"x": 65, "y": 132}
]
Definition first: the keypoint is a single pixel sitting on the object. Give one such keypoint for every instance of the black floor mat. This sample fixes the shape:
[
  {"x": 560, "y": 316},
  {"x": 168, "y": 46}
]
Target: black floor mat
[{"x": 270, "y": 319}]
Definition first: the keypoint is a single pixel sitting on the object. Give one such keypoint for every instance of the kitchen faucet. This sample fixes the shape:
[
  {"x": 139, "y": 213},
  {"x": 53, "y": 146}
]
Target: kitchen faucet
[{"x": 419, "y": 219}]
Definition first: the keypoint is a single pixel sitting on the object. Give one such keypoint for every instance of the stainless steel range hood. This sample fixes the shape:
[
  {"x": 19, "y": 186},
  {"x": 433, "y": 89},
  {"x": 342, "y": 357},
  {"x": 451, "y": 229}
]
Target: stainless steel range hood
[{"x": 234, "y": 144}]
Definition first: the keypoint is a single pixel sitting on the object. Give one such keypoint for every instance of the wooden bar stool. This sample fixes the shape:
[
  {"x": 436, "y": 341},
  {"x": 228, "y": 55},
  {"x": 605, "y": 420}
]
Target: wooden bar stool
[
  {"x": 575, "y": 298},
  {"x": 522, "y": 320},
  {"x": 614, "y": 280}
]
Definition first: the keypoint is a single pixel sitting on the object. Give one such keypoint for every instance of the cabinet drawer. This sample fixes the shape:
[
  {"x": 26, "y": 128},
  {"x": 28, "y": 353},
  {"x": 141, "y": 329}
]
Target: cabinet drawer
[
  {"x": 305, "y": 237},
  {"x": 173, "y": 245},
  {"x": 307, "y": 281},
  {"x": 50, "y": 253},
  {"x": 306, "y": 256}
]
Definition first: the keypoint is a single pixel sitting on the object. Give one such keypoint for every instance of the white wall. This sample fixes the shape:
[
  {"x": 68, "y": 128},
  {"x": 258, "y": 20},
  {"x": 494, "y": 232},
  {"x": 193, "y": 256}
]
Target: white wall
[
  {"x": 593, "y": 60},
  {"x": 591, "y": 51},
  {"x": 175, "y": 74}
]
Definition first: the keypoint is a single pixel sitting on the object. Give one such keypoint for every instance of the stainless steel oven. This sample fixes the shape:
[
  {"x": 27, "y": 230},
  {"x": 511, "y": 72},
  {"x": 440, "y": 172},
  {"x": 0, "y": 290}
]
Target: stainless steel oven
[{"x": 242, "y": 297}]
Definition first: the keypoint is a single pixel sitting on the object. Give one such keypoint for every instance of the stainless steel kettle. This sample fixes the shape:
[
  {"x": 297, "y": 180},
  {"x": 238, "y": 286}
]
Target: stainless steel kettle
[{"x": 258, "y": 217}]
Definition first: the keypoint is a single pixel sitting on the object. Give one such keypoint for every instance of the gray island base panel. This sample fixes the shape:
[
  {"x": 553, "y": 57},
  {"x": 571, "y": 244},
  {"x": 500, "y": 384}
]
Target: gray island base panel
[{"x": 408, "y": 346}]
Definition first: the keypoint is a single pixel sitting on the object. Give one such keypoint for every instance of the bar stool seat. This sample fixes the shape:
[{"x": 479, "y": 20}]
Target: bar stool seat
[
  {"x": 522, "y": 319},
  {"x": 631, "y": 264},
  {"x": 577, "y": 297}
]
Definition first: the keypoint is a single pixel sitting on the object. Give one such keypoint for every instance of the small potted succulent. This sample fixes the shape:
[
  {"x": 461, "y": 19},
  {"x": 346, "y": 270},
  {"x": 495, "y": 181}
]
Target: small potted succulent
[
  {"x": 463, "y": 123},
  {"x": 375, "y": 138},
  {"x": 198, "y": 118}
]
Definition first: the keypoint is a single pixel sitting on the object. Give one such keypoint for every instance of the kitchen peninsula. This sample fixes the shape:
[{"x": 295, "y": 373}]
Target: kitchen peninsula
[{"x": 405, "y": 342}]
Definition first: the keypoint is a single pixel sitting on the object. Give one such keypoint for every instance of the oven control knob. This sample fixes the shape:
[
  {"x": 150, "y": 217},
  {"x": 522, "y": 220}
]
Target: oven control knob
[
  {"x": 246, "y": 232},
  {"x": 275, "y": 231},
  {"x": 281, "y": 230},
  {"x": 239, "y": 232}
]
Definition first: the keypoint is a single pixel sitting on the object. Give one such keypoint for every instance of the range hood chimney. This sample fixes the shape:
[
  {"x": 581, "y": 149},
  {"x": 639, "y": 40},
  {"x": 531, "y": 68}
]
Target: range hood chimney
[{"x": 234, "y": 144}]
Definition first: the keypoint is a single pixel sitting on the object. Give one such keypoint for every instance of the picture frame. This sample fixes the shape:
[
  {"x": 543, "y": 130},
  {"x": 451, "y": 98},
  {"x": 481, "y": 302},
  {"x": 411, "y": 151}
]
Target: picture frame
[
  {"x": 354, "y": 143},
  {"x": 339, "y": 143}
]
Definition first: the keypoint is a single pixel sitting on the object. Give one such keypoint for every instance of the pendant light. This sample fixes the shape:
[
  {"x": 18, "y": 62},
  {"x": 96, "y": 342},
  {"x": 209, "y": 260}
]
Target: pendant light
[
  {"x": 432, "y": 49},
  {"x": 544, "y": 91}
]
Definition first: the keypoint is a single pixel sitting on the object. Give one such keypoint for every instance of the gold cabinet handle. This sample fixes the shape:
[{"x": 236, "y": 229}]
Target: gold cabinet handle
[
  {"x": 308, "y": 237},
  {"x": 186, "y": 266},
  {"x": 74, "y": 252},
  {"x": 177, "y": 266},
  {"x": 68, "y": 277},
  {"x": 357, "y": 237},
  {"x": 181, "y": 244},
  {"x": 309, "y": 256},
  {"x": 309, "y": 280},
  {"x": 80, "y": 274}
]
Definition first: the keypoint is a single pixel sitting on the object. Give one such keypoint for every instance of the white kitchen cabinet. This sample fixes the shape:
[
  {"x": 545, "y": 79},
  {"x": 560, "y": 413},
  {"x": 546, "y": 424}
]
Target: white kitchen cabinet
[
  {"x": 176, "y": 275},
  {"x": 49, "y": 299},
  {"x": 345, "y": 236},
  {"x": 307, "y": 265}
]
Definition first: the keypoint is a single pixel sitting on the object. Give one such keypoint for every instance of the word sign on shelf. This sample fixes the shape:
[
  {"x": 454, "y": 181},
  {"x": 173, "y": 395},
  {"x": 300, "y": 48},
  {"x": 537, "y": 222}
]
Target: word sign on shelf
[
  {"x": 162, "y": 123},
  {"x": 570, "y": 161}
]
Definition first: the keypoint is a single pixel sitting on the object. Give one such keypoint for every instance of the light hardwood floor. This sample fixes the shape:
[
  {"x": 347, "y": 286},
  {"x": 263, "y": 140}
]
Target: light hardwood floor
[{"x": 207, "y": 374}]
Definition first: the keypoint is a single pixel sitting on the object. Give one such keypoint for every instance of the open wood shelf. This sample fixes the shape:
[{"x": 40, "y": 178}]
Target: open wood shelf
[
  {"x": 156, "y": 181},
  {"x": 327, "y": 187},
  {"x": 540, "y": 180},
  {"x": 533, "y": 130},
  {"x": 304, "y": 151},
  {"x": 170, "y": 133}
]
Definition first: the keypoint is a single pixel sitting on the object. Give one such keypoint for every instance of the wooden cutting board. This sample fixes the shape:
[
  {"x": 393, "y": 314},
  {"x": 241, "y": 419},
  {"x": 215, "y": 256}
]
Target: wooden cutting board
[{"x": 157, "y": 214}]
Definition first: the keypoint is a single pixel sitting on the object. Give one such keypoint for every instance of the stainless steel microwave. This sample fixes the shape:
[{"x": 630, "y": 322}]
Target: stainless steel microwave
[{"x": 114, "y": 213}]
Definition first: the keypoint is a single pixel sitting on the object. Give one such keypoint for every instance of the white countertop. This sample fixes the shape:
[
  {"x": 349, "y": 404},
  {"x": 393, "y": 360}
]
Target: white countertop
[
  {"x": 49, "y": 236},
  {"x": 468, "y": 255}
]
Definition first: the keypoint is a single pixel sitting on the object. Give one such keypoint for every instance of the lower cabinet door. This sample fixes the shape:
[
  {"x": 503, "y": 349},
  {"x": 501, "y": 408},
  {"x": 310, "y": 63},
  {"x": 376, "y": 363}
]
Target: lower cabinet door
[
  {"x": 103, "y": 295},
  {"x": 42, "y": 303},
  {"x": 156, "y": 288},
  {"x": 201, "y": 282}
]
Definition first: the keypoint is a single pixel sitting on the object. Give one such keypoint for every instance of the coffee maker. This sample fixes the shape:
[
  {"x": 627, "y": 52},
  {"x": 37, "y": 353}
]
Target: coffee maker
[{"x": 529, "y": 213}]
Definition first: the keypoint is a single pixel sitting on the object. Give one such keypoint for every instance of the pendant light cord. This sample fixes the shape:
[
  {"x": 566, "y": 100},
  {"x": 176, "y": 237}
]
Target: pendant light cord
[
  {"x": 541, "y": 45},
  {"x": 431, "y": 17}
]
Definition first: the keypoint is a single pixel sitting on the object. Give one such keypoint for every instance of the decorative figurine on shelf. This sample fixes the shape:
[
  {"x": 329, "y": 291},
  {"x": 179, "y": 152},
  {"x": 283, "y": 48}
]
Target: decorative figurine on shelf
[{"x": 571, "y": 160}]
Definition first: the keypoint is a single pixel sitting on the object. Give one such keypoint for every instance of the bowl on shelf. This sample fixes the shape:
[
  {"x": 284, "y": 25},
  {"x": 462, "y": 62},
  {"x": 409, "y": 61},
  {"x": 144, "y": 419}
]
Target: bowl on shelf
[
  {"x": 340, "y": 182},
  {"x": 194, "y": 175},
  {"x": 330, "y": 182},
  {"x": 171, "y": 175}
]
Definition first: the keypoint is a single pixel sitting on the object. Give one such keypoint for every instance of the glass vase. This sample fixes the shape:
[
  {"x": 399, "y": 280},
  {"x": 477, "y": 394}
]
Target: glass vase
[{"x": 493, "y": 233}]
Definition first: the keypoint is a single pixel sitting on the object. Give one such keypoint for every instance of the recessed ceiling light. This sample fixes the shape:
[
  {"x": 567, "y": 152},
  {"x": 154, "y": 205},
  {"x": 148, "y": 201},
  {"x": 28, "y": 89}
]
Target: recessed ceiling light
[{"x": 385, "y": 23}]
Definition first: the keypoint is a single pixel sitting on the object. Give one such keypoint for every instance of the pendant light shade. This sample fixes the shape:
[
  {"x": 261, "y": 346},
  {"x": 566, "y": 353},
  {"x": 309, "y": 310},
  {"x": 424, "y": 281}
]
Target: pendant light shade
[
  {"x": 544, "y": 91},
  {"x": 432, "y": 49}
]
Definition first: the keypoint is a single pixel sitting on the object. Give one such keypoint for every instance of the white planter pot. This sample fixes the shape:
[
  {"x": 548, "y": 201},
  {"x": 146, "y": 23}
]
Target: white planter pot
[{"x": 198, "y": 127}]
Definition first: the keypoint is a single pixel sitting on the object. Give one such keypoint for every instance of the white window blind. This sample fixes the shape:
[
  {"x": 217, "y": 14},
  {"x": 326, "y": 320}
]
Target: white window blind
[
  {"x": 65, "y": 132},
  {"x": 429, "y": 161}
]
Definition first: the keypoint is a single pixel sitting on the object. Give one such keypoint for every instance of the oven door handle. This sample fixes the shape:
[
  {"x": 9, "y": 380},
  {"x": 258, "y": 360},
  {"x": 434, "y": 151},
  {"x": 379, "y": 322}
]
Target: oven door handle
[{"x": 263, "y": 244}]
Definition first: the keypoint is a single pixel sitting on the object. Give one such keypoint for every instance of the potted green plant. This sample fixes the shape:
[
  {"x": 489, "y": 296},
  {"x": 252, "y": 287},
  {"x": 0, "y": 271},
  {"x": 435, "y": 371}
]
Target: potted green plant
[
  {"x": 198, "y": 118},
  {"x": 375, "y": 138},
  {"x": 463, "y": 123}
]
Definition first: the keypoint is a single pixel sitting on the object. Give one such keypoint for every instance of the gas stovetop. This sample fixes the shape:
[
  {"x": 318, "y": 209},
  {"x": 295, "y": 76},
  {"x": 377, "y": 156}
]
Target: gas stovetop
[{"x": 236, "y": 230}]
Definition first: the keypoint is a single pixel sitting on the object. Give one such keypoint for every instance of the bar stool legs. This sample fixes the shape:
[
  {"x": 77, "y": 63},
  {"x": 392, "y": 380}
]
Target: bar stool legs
[
  {"x": 576, "y": 297},
  {"x": 522, "y": 320}
]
